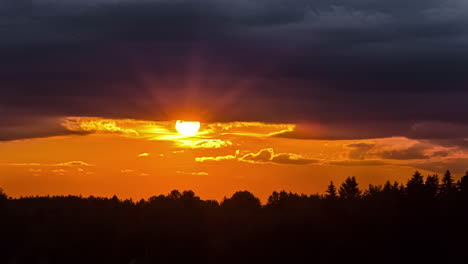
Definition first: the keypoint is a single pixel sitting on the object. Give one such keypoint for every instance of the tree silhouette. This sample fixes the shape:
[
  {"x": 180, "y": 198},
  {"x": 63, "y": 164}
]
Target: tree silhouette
[
  {"x": 242, "y": 200},
  {"x": 387, "y": 223},
  {"x": 3, "y": 195},
  {"x": 373, "y": 190},
  {"x": 349, "y": 189},
  {"x": 463, "y": 185},
  {"x": 448, "y": 187},
  {"x": 415, "y": 186},
  {"x": 174, "y": 195},
  {"x": 331, "y": 191},
  {"x": 273, "y": 199},
  {"x": 3, "y": 199},
  {"x": 393, "y": 188},
  {"x": 431, "y": 185},
  {"x": 188, "y": 195}
]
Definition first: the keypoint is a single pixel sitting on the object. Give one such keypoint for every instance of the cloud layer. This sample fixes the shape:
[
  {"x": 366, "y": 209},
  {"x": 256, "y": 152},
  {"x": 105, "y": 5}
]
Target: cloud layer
[
  {"x": 347, "y": 69},
  {"x": 263, "y": 156}
]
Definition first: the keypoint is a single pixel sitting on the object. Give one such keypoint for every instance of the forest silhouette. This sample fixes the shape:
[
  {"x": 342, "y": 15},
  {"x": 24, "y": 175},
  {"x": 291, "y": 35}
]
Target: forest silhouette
[{"x": 421, "y": 221}]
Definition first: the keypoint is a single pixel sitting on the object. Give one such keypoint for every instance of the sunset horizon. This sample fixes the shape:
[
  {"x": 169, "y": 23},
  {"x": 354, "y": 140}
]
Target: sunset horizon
[
  {"x": 144, "y": 158},
  {"x": 233, "y": 131}
]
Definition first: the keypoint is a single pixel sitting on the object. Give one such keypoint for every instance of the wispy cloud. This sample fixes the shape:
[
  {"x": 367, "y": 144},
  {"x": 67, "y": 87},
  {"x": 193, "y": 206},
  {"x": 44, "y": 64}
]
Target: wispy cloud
[
  {"x": 207, "y": 137},
  {"x": 358, "y": 163},
  {"x": 217, "y": 158},
  {"x": 63, "y": 164},
  {"x": 204, "y": 143},
  {"x": 95, "y": 125},
  {"x": 456, "y": 165},
  {"x": 60, "y": 172},
  {"x": 73, "y": 163},
  {"x": 24, "y": 164},
  {"x": 405, "y": 150},
  {"x": 200, "y": 173},
  {"x": 268, "y": 155},
  {"x": 263, "y": 156},
  {"x": 256, "y": 129}
]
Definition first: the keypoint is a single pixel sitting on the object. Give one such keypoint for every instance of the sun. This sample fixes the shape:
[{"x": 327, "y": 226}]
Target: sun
[{"x": 187, "y": 128}]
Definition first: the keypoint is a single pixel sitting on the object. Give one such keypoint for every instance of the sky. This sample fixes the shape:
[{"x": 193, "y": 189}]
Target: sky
[{"x": 290, "y": 94}]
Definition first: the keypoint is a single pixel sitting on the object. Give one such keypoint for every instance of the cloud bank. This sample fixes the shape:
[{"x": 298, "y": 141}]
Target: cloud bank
[
  {"x": 263, "y": 156},
  {"x": 340, "y": 69}
]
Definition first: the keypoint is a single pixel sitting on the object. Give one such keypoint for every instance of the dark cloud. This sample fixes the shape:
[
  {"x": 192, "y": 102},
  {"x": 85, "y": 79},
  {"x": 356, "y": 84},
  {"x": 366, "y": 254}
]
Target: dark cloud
[
  {"x": 423, "y": 151},
  {"x": 288, "y": 158},
  {"x": 442, "y": 153},
  {"x": 357, "y": 69},
  {"x": 359, "y": 163},
  {"x": 456, "y": 165},
  {"x": 359, "y": 150},
  {"x": 452, "y": 142},
  {"x": 438, "y": 130},
  {"x": 413, "y": 152},
  {"x": 19, "y": 127},
  {"x": 446, "y": 133}
]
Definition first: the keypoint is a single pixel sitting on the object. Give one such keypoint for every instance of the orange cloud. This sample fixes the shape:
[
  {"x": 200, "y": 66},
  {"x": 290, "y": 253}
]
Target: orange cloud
[
  {"x": 192, "y": 173},
  {"x": 398, "y": 149},
  {"x": 164, "y": 130},
  {"x": 268, "y": 155},
  {"x": 143, "y": 154},
  {"x": 205, "y": 143},
  {"x": 358, "y": 163},
  {"x": 73, "y": 163},
  {"x": 24, "y": 164},
  {"x": 263, "y": 156},
  {"x": 60, "y": 172},
  {"x": 94, "y": 124},
  {"x": 64, "y": 164},
  {"x": 258, "y": 129},
  {"x": 218, "y": 158}
]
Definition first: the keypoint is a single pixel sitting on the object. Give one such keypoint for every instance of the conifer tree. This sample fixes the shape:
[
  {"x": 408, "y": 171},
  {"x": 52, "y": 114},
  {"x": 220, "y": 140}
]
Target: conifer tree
[
  {"x": 463, "y": 185},
  {"x": 415, "y": 186},
  {"x": 349, "y": 189},
  {"x": 331, "y": 191},
  {"x": 448, "y": 186}
]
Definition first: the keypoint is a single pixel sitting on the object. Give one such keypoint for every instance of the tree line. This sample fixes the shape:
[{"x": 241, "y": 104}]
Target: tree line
[{"x": 423, "y": 220}]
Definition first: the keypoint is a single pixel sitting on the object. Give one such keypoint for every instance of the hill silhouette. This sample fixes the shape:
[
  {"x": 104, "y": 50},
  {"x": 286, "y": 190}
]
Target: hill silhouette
[{"x": 421, "y": 221}]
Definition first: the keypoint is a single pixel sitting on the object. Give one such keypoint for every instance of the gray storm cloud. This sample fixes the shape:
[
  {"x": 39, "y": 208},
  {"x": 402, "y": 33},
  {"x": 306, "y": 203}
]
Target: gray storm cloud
[{"x": 386, "y": 65}]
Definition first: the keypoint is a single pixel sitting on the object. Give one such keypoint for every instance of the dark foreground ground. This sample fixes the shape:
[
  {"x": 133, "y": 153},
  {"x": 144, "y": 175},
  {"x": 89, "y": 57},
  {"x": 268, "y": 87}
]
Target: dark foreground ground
[{"x": 423, "y": 221}]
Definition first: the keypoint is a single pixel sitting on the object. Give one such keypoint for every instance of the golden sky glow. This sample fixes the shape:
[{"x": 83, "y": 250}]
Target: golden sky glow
[{"x": 138, "y": 158}]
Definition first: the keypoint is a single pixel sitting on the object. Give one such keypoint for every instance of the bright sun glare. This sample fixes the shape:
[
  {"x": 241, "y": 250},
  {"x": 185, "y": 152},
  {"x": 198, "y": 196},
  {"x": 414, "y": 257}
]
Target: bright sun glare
[{"x": 187, "y": 128}]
